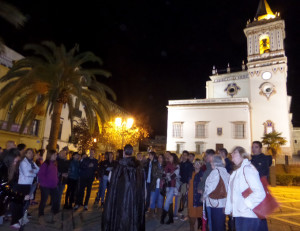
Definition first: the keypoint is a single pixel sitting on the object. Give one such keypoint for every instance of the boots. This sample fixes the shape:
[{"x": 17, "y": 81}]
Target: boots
[
  {"x": 170, "y": 215},
  {"x": 163, "y": 216},
  {"x": 150, "y": 214},
  {"x": 199, "y": 223}
]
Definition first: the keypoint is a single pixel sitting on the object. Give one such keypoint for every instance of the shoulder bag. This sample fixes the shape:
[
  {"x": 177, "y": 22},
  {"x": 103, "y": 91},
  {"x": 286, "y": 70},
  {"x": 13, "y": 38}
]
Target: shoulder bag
[{"x": 268, "y": 205}]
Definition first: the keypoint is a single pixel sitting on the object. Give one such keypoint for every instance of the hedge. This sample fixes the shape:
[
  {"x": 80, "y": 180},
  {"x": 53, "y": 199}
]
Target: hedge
[{"x": 288, "y": 179}]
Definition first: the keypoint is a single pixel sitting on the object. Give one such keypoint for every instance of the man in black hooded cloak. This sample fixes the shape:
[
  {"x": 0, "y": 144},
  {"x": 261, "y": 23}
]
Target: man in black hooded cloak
[{"x": 124, "y": 207}]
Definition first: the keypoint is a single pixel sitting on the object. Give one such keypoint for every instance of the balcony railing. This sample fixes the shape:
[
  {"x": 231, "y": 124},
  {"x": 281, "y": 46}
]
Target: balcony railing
[{"x": 16, "y": 128}]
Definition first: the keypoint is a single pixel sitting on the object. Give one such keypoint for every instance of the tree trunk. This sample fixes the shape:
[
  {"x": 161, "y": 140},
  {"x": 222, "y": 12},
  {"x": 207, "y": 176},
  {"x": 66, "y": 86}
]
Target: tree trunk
[{"x": 55, "y": 125}]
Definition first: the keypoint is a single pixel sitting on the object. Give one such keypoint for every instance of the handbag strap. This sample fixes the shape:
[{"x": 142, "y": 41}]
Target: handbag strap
[
  {"x": 245, "y": 177},
  {"x": 216, "y": 186},
  {"x": 211, "y": 203}
]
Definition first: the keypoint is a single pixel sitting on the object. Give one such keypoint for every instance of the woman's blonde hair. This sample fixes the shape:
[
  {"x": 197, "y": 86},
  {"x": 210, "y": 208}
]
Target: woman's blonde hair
[{"x": 242, "y": 152}]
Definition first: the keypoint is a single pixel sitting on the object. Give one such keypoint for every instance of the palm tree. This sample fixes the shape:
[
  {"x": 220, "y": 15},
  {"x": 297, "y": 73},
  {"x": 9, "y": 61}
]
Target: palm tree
[
  {"x": 48, "y": 80},
  {"x": 12, "y": 15},
  {"x": 274, "y": 141}
]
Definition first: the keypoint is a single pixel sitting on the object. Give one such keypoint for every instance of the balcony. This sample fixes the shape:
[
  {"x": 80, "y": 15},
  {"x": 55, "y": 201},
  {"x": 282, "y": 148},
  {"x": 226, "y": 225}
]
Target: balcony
[{"x": 32, "y": 131}]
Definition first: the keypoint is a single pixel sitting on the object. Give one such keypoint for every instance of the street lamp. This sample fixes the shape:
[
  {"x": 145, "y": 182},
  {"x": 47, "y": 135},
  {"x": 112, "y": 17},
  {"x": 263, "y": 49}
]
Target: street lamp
[{"x": 123, "y": 125}]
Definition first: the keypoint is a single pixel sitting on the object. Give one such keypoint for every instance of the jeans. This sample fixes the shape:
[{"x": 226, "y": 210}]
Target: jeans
[
  {"x": 54, "y": 200},
  {"x": 208, "y": 212},
  {"x": 183, "y": 192},
  {"x": 61, "y": 188},
  {"x": 249, "y": 224},
  {"x": 156, "y": 198},
  {"x": 169, "y": 197},
  {"x": 102, "y": 188},
  {"x": 84, "y": 183},
  {"x": 148, "y": 186},
  {"x": 263, "y": 226},
  {"x": 218, "y": 219},
  {"x": 176, "y": 205}
]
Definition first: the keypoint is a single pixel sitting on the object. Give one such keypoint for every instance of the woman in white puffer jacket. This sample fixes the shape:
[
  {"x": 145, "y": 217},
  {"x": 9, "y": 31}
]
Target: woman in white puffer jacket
[{"x": 242, "y": 178}]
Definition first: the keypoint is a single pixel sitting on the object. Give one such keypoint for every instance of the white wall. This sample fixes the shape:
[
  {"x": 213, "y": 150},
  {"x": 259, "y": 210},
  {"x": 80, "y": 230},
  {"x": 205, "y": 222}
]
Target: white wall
[
  {"x": 66, "y": 129},
  {"x": 216, "y": 87},
  {"x": 218, "y": 116},
  {"x": 276, "y": 108}
]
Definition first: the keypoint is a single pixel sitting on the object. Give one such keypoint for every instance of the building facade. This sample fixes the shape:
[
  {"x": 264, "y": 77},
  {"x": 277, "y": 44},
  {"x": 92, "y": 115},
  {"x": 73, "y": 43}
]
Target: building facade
[
  {"x": 240, "y": 107},
  {"x": 37, "y": 135},
  {"x": 33, "y": 135}
]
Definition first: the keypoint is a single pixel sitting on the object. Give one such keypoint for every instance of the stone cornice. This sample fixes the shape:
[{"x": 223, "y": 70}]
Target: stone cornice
[{"x": 229, "y": 76}]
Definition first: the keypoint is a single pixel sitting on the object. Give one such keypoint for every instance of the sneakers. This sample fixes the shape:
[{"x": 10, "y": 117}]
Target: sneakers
[
  {"x": 15, "y": 226},
  {"x": 76, "y": 207},
  {"x": 183, "y": 218},
  {"x": 85, "y": 207},
  {"x": 175, "y": 217}
]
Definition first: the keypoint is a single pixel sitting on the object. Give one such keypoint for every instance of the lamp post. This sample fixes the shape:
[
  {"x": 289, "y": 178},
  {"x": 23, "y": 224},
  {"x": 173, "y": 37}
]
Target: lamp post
[{"x": 123, "y": 125}]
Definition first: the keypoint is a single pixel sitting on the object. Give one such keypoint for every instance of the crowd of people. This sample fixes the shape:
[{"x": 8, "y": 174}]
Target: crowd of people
[
  {"x": 135, "y": 188},
  {"x": 24, "y": 170},
  {"x": 186, "y": 188}
]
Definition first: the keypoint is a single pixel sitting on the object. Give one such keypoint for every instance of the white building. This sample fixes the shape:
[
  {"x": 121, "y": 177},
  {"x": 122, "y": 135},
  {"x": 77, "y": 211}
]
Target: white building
[{"x": 239, "y": 107}]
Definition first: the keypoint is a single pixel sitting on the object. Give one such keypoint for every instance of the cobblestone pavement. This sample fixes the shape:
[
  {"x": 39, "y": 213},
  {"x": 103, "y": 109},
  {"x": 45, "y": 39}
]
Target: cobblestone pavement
[{"x": 287, "y": 218}]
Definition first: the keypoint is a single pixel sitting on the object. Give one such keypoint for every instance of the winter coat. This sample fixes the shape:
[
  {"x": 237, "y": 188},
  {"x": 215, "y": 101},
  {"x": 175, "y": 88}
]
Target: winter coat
[
  {"x": 62, "y": 167},
  {"x": 105, "y": 167},
  {"x": 156, "y": 175},
  {"x": 210, "y": 185},
  {"x": 236, "y": 204},
  {"x": 172, "y": 175},
  {"x": 47, "y": 175},
  {"x": 262, "y": 163},
  {"x": 196, "y": 196},
  {"x": 186, "y": 171},
  {"x": 85, "y": 171},
  {"x": 74, "y": 170},
  {"x": 25, "y": 175}
]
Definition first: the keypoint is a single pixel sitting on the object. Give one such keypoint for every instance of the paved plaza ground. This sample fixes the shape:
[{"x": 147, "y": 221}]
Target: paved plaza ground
[{"x": 287, "y": 218}]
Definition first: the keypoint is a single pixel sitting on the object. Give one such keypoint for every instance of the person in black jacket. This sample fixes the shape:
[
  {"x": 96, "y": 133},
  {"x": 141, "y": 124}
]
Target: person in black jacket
[
  {"x": 186, "y": 172},
  {"x": 124, "y": 207},
  {"x": 105, "y": 168},
  {"x": 73, "y": 176},
  {"x": 261, "y": 161},
  {"x": 62, "y": 168},
  {"x": 87, "y": 169},
  {"x": 148, "y": 173}
]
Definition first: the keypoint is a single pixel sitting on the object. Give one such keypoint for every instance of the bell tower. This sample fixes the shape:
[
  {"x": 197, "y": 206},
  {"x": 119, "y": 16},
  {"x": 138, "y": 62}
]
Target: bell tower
[{"x": 267, "y": 69}]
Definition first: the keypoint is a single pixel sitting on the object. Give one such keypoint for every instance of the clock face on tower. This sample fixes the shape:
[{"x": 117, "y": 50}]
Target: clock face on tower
[{"x": 266, "y": 75}]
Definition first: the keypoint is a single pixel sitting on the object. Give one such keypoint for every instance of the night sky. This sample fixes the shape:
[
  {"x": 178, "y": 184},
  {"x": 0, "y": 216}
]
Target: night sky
[{"x": 156, "y": 50}]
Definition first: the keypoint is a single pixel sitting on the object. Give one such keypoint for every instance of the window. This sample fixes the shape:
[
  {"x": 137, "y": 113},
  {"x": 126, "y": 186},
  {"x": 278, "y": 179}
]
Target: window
[
  {"x": 201, "y": 129},
  {"x": 60, "y": 130},
  {"x": 269, "y": 127},
  {"x": 177, "y": 129},
  {"x": 200, "y": 147},
  {"x": 264, "y": 44},
  {"x": 9, "y": 111},
  {"x": 35, "y": 128},
  {"x": 239, "y": 130},
  {"x": 179, "y": 147}
]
